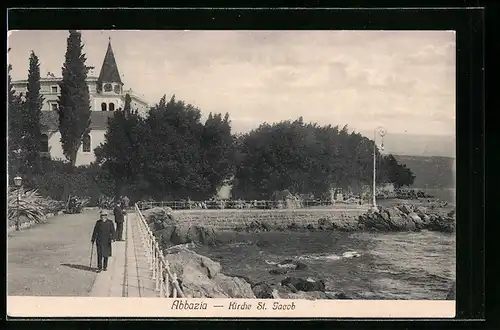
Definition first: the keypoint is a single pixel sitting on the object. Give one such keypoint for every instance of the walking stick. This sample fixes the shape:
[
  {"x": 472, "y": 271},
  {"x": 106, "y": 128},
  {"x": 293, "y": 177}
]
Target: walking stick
[{"x": 91, "y": 254}]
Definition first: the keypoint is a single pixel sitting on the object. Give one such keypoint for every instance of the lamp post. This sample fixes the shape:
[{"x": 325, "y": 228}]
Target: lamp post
[
  {"x": 381, "y": 131},
  {"x": 18, "y": 181}
]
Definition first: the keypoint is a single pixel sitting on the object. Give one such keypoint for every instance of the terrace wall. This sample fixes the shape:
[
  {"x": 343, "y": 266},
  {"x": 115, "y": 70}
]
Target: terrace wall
[{"x": 234, "y": 219}]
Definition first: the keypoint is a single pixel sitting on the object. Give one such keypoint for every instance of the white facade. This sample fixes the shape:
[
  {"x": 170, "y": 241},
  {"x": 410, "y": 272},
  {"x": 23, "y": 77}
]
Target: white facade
[{"x": 103, "y": 102}]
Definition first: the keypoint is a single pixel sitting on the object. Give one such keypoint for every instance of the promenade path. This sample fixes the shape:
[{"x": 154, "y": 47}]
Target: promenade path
[{"x": 53, "y": 259}]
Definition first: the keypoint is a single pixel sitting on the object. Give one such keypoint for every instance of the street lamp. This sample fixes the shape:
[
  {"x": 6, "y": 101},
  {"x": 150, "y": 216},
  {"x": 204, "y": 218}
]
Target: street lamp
[
  {"x": 381, "y": 131},
  {"x": 18, "y": 181}
]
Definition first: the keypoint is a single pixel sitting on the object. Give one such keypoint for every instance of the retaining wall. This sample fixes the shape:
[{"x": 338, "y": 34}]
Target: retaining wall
[{"x": 233, "y": 219}]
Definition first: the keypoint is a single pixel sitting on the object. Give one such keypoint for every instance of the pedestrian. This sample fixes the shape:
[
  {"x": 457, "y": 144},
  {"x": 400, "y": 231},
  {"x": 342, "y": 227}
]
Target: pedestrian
[
  {"x": 102, "y": 236},
  {"x": 119, "y": 219}
]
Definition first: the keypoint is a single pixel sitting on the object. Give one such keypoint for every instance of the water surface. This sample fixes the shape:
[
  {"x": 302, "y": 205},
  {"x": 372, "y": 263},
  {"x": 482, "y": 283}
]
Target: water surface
[{"x": 363, "y": 265}]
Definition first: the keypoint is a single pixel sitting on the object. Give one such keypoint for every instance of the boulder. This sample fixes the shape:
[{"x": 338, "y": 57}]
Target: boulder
[
  {"x": 304, "y": 284},
  {"x": 182, "y": 234},
  {"x": 201, "y": 277},
  {"x": 263, "y": 290},
  {"x": 278, "y": 271}
]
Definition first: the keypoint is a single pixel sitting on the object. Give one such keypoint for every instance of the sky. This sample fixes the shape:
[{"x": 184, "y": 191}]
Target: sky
[{"x": 401, "y": 80}]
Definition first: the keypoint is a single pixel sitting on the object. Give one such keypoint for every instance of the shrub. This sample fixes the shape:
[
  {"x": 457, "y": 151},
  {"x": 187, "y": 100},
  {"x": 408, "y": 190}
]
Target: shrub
[{"x": 32, "y": 207}]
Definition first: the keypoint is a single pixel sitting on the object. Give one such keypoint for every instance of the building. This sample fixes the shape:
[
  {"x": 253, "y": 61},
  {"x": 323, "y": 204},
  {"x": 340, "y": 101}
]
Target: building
[{"x": 107, "y": 94}]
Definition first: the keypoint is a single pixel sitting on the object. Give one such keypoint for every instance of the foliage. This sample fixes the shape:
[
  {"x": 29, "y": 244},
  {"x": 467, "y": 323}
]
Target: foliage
[
  {"x": 30, "y": 120},
  {"x": 32, "y": 206},
  {"x": 122, "y": 153},
  {"x": 396, "y": 173},
  {"x": 60, "y": 180},
  {"x": 74, "y": 102},
  {"x": 192, "y": 161},
  {"x": 14, "y": 113},
  {"x": 218, "y": 151},
  {"x": 307, "y": 159}
]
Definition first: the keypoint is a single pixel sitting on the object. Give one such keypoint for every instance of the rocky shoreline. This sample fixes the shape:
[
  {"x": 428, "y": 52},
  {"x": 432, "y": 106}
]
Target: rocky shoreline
[
  {"x": 202, "y": 277},
  {"x": 404, "y": 217}
]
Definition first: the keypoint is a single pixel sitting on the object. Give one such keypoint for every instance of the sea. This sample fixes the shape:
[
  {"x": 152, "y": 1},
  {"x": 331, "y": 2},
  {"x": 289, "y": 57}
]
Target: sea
[{"x": 363, "y": 265}]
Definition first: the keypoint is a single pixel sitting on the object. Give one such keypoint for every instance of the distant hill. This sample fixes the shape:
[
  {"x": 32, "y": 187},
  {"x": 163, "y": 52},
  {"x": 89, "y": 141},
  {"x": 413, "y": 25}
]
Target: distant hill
[
  {"x": 419, "y": 145},
  {"x": 431, "y": 172}
]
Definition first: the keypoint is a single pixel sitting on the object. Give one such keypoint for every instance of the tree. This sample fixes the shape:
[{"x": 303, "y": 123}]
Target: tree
[
  {"x": 173, "y": 167},
  {"x": 302, "y": 158},
  {"x": 14, "y": 113},
  {"x": 217, "y": 146},
  {"x": 74, "y": 102},
  {"x": 31, "y": 142},
  {"x": 397, "y": 174},
  {"x": 121, "y": 154}
]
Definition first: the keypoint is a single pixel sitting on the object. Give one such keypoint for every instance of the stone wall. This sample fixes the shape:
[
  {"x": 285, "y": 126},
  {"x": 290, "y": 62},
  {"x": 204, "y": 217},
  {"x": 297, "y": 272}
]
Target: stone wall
[{"x": 231, "y": 219}]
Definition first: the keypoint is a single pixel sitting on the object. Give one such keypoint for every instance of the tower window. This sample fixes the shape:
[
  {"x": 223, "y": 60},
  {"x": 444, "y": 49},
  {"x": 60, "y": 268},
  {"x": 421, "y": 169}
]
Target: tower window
[
  {"x": 86, "y": 143},
  {"x": 53, "y": 106},
  {"x": 44, "y": 143},
  {"x": 117, "y": 89},
  {"x": 108, "y": 88},
  {"x": 53, "y": 89},
  {"x": 104, "y": 106},
  {"x": 111, "y": 107}
]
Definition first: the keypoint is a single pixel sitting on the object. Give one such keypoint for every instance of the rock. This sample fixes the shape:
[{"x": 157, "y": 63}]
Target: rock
[
  {"x": 338, "y": 295},
  {"x": 234, "y": 287},
  {"x": 304, "y": 285},
  {"x": 291, "y": 264},
  {"x": 452, "y": 293},
  {"x": 278, "y": 271},
  {"x": 300, "y": 266},
  {"x": 310, "y": 227},
  {"x": 201, "y": 277},
  {"x": 405, "y": 208},
  {"x": 421, "y": 211},
  {"x": 182, "y": 234},
  {"x": 263, "y": 290},
  {"x": 313, "y": 295}
]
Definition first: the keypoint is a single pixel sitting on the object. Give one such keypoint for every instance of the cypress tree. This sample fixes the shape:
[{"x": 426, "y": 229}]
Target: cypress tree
[
  {"x": 74, "y": 101},
  {"x": 31, "y": 116}
]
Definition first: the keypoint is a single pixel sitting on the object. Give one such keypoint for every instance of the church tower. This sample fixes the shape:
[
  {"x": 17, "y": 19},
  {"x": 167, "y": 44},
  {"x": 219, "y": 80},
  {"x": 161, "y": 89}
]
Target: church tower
[{"x": 109, "y": 84}]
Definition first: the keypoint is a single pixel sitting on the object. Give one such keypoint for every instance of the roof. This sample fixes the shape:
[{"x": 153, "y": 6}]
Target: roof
[
  {"x": 109, "y": 69},
  {"x": 99, "y": 120}
]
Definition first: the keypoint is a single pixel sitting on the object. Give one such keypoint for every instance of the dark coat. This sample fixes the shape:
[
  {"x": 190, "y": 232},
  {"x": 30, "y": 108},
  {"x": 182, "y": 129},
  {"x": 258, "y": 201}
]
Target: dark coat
[
  {"x": 104, "y": 232},
  {"x": 119, "y": 214}
]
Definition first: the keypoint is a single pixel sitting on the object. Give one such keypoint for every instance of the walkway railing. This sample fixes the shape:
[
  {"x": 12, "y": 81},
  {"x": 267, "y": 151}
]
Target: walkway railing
[{"x": 160, "y": 271}]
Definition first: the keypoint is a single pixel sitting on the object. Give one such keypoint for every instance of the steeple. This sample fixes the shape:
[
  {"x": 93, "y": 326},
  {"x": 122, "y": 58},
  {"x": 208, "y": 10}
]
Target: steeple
[{"x": 109, "y": 69}]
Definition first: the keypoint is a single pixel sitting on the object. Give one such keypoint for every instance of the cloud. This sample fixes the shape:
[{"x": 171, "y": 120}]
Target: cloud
[{"x": 404, "y": 80}]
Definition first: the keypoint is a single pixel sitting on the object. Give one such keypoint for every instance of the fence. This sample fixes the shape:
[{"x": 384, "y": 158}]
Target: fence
[{"x": 161, "y": 273}]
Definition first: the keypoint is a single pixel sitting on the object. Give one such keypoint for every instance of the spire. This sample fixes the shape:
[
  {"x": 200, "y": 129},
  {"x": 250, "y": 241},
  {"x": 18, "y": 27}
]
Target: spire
[{"x": 109, "y": 69}]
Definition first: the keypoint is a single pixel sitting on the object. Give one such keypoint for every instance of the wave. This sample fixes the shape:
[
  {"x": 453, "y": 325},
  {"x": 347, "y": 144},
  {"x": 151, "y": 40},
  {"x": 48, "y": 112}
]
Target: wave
[{"x": 345, "y": 255}]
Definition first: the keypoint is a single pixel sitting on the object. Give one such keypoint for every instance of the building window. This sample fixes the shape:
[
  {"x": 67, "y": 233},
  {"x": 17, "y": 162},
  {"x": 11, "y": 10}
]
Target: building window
[
  {"x": 53, "y": 89},
  {"x": 117, "y": 89},
  {"x": 111, "y": 107},
  {"x": 53, "y": 106},
  {"x": 86, "y": 143},
  {"x": 103, "y": 106},
  {"x": 44, "y": 141},
  {"x": 108, "y": 88}
]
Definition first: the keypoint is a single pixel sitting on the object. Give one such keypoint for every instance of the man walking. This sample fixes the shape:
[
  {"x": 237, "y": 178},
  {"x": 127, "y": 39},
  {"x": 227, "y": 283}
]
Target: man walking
[
  {"x": 119, "y": 219},
  {"x": 102, "y": 236}
]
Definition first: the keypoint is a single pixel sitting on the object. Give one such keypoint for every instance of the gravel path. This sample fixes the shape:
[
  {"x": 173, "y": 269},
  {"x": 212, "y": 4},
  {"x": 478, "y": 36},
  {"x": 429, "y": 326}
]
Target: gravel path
[{"x": 52, "y": 259}]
